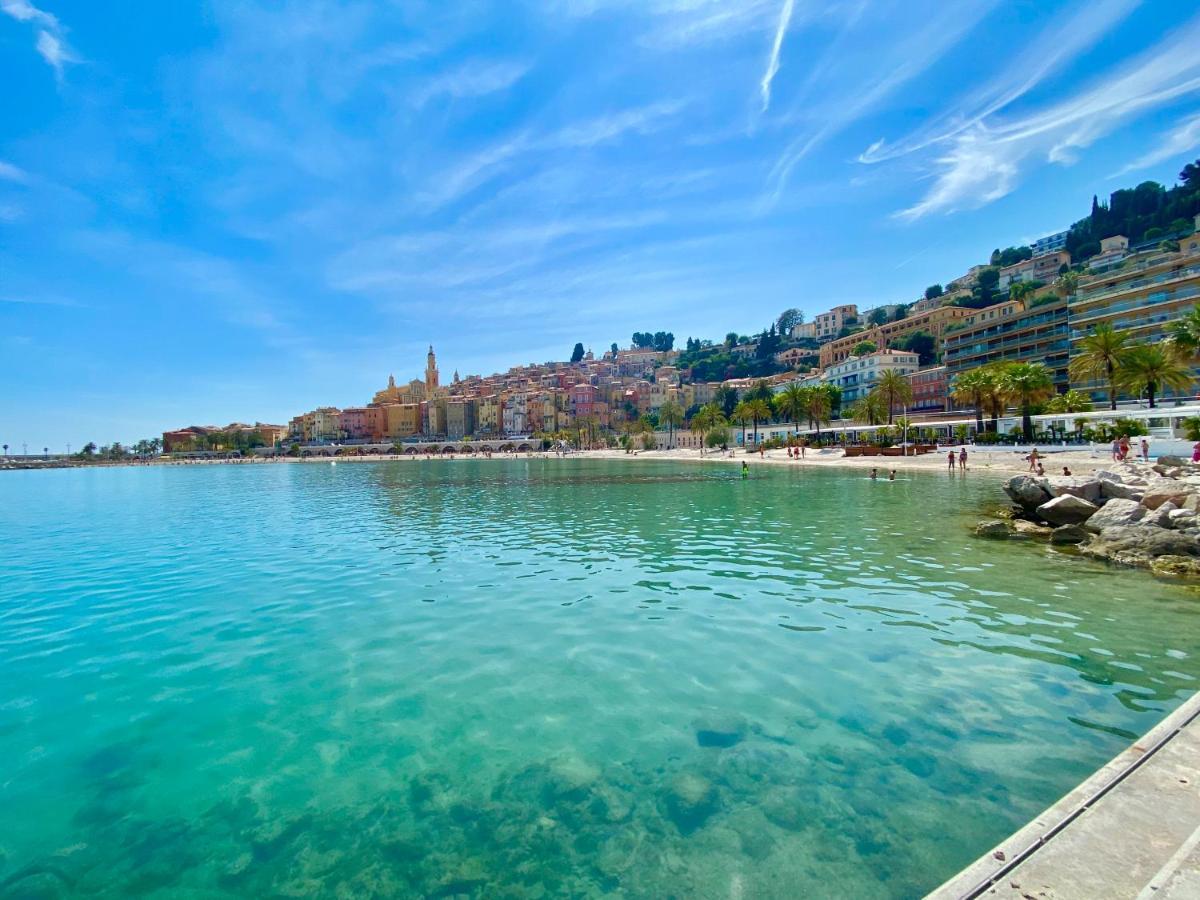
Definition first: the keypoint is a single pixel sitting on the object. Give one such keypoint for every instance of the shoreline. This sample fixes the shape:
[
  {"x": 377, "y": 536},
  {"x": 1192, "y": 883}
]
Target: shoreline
[{"x": 980, "y": 459}]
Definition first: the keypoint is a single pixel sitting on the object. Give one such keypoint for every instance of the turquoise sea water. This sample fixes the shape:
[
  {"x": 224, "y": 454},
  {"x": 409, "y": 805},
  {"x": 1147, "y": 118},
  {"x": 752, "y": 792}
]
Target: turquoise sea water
[{"x": 541, "y": 678}]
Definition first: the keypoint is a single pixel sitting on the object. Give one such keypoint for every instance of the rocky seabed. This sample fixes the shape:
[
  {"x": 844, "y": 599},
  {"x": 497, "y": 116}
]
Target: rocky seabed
[{"x": 1132, "y": 514}]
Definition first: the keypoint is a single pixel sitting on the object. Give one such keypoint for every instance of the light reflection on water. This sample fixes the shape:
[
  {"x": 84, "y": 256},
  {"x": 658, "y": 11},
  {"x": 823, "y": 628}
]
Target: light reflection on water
[{"x": 544, "y": 678}]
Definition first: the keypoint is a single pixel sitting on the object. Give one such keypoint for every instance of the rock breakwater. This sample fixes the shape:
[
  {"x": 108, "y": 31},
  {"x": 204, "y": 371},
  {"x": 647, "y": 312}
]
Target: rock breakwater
[{"x": 1131, "y": 514}]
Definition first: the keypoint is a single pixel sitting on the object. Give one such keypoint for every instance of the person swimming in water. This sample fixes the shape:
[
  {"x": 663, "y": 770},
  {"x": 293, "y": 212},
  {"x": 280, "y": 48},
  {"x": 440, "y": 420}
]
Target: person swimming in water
[
  {"x": 892, "y": 475},
  {"x": 874, "y": 474},
  {"x": 745, "y": 469}
]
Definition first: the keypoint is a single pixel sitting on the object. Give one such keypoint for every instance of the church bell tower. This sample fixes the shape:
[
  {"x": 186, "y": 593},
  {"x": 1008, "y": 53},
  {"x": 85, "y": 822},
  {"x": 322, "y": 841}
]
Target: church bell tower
[{"x": 431, "y": 375}]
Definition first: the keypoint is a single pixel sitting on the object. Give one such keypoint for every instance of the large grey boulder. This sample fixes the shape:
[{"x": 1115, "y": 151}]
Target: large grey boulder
[
  {"x": 1067, "y": 510},
  {"x": 1027, "y": 491},
  {"x": 1181, "y": 518},
  {"x": 1166, "y": 491},
  {"x": 1137, "y": 545},
  {"x": 1172, "y": 462},
  {"x": 1075, "y": 485},
  {"x": 1161, "y": 517},
  {"x": 1115, "y": 514},
  {"x": 1113, "y": 487}
]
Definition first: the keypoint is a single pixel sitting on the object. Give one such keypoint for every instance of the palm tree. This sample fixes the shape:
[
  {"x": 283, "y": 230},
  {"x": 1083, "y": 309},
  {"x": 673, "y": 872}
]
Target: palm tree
[
  {"x": 1066, "y": 284},
  {"x": 1070, "y": 402},
  {"x": 819, "y": 406},
  {"x": 1026, "y": 384},
  {"x": 970, "y": 389},
  {"x": 671, "y": 415},
  {"x": 869, "y": 409},
  {"x": 994, "y": 400},
  {"x": 1100, "y": 356},
  {"x": 894, "y": 388},
  {"x": 759, "y": 411},
  {"x": 708, "y": 418},
  {"x": 1185, "y": 335},
  {"x": 741, "y": 415},
  {"x": 1151, "y": 368},
  {"x": 791, "y": 403}
]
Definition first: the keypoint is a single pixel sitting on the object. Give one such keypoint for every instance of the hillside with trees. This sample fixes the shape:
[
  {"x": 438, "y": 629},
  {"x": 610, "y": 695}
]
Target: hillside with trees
[{"x": 1148, "y": 212}]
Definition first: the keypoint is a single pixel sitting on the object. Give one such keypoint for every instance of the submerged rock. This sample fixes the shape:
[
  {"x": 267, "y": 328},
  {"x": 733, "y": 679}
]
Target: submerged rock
[
  {"x": 1069, "y": 534},
  {"x": 691, "y": 799},
  {"x": 994, "y": 529},
  {"x": 1067, "y": 509},
  {"x": 720, "y": 730},
  {"x": 1032, "y": 530},
  {"x": 1176, "y": 567}
]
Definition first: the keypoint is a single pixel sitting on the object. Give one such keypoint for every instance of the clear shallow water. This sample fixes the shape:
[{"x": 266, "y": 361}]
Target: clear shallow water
[{"x": 541, "y": 678}]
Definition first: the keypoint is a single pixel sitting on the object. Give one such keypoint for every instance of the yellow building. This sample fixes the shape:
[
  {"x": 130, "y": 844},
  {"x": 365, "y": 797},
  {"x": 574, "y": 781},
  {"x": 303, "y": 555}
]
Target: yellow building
[
  {"x": 934, "y": 321},
  {"x": 402, "y": 420}
]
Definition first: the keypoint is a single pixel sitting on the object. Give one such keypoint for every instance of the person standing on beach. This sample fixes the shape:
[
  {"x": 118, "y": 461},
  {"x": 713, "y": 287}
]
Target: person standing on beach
[
  {"x": 1145, "y": 450},
  {"x": 950, "y": 459},
  {"x": 1033, "y": 460},
  {"x": 962, "y": 459},
  {"x": 1116, "y": 450},
  {"x": 745, "y": 469}
]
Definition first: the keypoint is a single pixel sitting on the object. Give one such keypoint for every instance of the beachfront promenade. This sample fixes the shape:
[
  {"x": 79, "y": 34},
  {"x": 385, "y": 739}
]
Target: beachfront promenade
[{"x": 1132, "y": 830}]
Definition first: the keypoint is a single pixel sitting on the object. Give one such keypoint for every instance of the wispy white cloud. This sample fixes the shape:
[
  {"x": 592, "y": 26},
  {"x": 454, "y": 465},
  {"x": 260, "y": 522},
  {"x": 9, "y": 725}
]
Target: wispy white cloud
[
  {"x": 50, "y": 44},
  {"x": 480, "y": 167},
  {"x": 984, "y": 162},
  {"x": 849, "y": 102},
  {"x": 785, "y": 18},
  {"x": 1062, "y": 40},
  {"x": 9, "y": 172},
  {"x": 1184, "y": 138},
  {"x": 473, "y": 79}
]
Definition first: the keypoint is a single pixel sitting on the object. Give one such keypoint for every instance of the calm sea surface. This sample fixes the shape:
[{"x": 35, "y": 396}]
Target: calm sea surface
[{"x": 539, "y": 678}]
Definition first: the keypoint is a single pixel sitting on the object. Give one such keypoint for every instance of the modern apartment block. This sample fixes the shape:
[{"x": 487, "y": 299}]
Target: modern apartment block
[
  {"x": 857, "y": 375},
  {"x": 1049, "y": 243},
  {"x": 1144, "y": 295},
  {"x": 1015, "y": 331}
]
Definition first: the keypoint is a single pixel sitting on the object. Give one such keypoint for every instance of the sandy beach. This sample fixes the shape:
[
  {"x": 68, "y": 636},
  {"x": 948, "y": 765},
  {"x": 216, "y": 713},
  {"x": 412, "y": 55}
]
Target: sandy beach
[{"x": 1000, "y": 461}]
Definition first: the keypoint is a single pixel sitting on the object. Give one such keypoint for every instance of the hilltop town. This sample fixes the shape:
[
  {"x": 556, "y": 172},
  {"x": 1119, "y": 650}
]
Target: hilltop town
[{"x": 1040, "y": 305}]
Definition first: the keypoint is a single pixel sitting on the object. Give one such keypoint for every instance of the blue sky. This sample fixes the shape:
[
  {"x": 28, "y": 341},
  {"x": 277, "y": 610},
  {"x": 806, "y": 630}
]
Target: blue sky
[{"x": 232, "y": 210}]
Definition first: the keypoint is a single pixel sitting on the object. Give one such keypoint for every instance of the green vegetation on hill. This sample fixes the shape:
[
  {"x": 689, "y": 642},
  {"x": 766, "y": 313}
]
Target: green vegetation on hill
[{"x": 1147, "y": 212}]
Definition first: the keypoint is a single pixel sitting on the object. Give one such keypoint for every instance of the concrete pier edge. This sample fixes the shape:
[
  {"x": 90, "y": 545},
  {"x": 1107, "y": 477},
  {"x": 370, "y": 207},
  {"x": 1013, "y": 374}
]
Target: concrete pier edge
[{"x": 990, "y": 870}]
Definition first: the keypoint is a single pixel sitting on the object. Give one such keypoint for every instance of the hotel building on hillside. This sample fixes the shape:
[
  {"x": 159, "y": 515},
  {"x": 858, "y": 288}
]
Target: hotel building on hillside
[
  {"x": 935, "y": 322},
  {"x": 857, "y": 375},
  {"x": 1044, "y": 268},
  {"x": 1144, "y": 295},
  {"x": 828, "y": 325},
  {"x": 1015, "y": 331}
]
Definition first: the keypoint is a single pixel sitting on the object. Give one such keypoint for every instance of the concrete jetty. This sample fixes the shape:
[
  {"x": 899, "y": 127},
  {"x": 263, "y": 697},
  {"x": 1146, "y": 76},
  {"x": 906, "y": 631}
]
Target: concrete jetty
[{"x": 1132, "y": 830}]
